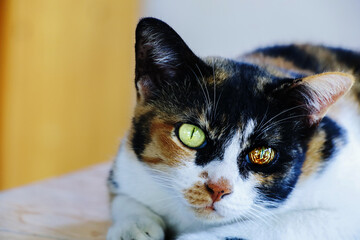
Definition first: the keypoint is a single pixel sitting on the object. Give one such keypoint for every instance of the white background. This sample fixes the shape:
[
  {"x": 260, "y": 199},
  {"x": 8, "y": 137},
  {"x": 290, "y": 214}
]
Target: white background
[{"x": 231, "y": 27}]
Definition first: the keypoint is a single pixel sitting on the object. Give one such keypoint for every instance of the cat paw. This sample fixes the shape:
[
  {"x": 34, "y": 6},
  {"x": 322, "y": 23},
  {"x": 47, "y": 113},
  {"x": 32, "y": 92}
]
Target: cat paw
[{"x": 141, "y": 228}]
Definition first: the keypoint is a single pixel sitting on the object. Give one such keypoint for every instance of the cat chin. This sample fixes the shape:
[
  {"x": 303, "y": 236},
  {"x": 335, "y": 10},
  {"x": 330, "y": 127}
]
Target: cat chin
[
  {"x": 207, "y": 213},
  {"x": 212, "y": 217}
]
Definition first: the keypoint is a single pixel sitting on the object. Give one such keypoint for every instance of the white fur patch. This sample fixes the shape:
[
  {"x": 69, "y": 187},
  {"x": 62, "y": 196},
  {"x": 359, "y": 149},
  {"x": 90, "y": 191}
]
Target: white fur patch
[{"x": 247, "y": 131}]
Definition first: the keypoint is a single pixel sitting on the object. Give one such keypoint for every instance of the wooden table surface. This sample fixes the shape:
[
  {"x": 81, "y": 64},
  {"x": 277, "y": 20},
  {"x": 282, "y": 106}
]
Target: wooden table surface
[{"x": 73, "y": 206}]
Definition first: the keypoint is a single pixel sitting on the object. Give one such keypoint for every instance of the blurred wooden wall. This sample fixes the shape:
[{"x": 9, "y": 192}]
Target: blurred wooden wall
[{"x": 66, "y": 85}]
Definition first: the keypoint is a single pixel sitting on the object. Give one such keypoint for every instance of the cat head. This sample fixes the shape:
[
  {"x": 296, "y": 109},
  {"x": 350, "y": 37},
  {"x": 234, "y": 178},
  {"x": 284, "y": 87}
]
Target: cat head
[{"x": 226, "y": 138}]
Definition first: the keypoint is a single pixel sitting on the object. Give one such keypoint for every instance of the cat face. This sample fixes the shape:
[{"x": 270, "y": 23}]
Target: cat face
[{"x": 227, "y": 139}]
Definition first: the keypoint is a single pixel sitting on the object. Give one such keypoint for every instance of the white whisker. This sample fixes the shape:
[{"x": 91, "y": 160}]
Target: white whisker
[{"x": 282, "y": 112}]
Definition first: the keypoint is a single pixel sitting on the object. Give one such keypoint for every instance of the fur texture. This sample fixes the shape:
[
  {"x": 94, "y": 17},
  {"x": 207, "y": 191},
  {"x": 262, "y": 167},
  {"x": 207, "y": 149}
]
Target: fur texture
[{"x": 296, "y": 99}]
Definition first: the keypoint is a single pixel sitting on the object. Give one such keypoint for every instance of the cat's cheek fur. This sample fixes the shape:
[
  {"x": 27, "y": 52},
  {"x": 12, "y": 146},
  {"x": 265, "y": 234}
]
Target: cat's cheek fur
[{"x": 144, "y": 185}]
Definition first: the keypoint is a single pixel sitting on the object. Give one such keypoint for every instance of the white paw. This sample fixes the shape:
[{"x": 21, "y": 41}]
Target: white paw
[{"x": 139, "y": 228}]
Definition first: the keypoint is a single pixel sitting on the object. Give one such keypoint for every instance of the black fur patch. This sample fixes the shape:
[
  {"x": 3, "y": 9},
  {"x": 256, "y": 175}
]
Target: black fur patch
[
  {"x": 141, "y": 135},
  {"x": 347, "y": 57},
  {"x": 335, "y": 137},
  {"x": 294, "y": 54}
]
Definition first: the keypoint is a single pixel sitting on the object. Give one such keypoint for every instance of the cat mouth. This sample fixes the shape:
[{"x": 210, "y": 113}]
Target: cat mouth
[
  {"x": 208, "y": 212},
  {"x": 211, "y": 208}
]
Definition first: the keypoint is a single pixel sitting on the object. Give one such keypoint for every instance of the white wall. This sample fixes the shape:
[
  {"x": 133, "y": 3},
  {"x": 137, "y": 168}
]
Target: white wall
[{"x": 230, "y": 27}]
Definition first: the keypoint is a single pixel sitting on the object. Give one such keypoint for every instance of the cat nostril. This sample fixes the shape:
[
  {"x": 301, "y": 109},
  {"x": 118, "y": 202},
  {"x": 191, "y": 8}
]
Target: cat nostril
[
  {"x": 218, "y": 190},
  {"x": 225, "y": 195},
  {"x": 209, "y": 189}
]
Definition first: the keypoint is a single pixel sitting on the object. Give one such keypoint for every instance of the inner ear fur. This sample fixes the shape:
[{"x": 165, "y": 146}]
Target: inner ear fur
[{"x": 319, "y": 92}]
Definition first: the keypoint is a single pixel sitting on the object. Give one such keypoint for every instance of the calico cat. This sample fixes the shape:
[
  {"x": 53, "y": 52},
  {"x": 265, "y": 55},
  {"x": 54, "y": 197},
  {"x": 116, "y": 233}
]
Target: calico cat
[{"x": 266, "y": 146}]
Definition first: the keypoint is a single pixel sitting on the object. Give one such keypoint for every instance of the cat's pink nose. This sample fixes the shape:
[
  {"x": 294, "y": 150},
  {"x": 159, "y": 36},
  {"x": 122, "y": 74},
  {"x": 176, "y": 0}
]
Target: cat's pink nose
[{"x": 219, "y": 189}]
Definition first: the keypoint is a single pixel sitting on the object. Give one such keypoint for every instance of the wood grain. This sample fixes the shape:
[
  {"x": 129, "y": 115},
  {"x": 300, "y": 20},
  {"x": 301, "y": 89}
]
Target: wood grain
[{"x": 74, "y": 206}]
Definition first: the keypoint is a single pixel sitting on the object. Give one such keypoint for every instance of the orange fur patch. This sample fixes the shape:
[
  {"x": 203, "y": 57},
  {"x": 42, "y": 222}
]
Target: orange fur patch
[
  {"x": 314, "y": 156},
  {"x": 220, "y": 77},
  {"x": 152, "y": 160},
  {"x": 198, "y": 195},
  {"x": 165, "y": 148},
  {"x": 264, "y": 180}
]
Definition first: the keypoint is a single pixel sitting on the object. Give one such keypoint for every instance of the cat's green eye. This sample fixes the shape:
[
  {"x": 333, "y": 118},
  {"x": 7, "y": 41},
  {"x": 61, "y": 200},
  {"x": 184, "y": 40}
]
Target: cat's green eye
[
  {"x": 262, "y": 155},
  {"x": 191, "y": 135}
]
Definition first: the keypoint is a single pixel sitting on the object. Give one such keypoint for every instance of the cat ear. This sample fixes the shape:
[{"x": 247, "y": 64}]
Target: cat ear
[
  {"x": 319, "y": 92},
  {"x": 161, "y": 56}
]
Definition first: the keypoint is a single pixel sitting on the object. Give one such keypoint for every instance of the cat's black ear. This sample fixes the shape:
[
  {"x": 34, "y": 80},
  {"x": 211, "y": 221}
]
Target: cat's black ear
[
  {"x": 317, "y": 93},
  {"x": 161, "y": 56}
]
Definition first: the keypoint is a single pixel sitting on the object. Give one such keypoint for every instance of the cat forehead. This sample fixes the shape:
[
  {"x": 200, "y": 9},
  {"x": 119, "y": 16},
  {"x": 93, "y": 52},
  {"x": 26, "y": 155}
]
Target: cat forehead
[
  {"x": 223, "y": 90},
  {"x": 237, "y": 73},
  {"x": 233, "y": 94}
]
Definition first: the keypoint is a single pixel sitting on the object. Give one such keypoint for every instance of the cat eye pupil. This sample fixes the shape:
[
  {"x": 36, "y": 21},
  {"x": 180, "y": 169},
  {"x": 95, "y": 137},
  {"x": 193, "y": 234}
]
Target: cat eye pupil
[{"x": 192, "y": 133}]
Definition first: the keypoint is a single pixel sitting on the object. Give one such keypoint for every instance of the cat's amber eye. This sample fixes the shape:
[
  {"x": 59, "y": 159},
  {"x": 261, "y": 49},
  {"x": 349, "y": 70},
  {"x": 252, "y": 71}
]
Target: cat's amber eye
[
  {"x": 262, "y": 155},
  {"x": 191, "y": 135}
]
